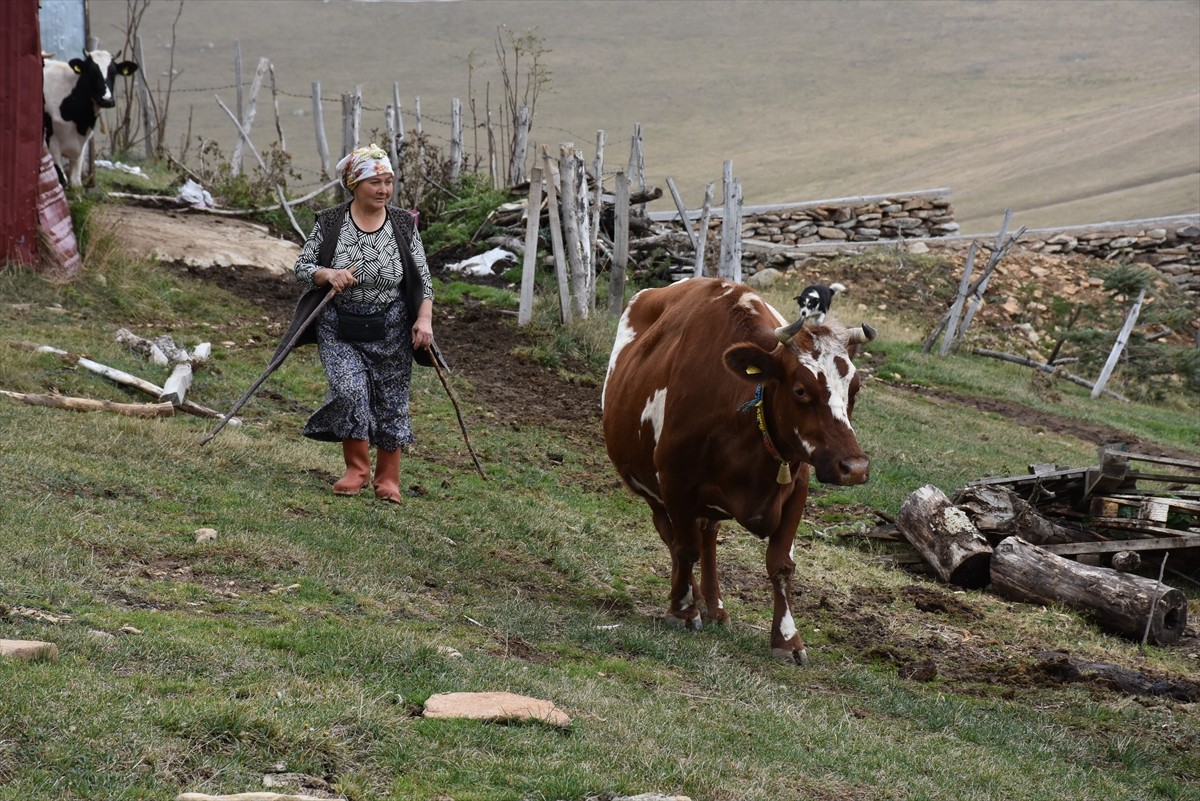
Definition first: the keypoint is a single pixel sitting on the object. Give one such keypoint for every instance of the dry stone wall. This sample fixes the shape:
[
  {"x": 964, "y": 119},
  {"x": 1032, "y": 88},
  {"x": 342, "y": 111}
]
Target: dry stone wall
[{"x": 781, "y": 236}]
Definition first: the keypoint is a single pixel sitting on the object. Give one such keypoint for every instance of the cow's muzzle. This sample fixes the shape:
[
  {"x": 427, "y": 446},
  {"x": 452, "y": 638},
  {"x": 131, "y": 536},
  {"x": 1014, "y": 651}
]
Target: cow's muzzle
[{"x": 846, "y": 472}]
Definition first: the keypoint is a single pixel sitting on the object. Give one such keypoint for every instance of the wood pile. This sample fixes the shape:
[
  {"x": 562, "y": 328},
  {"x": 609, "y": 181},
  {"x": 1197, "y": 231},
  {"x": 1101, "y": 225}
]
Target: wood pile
[
  {"x": 170, "y": 397},
  {"x": 1070, "y": 536}
]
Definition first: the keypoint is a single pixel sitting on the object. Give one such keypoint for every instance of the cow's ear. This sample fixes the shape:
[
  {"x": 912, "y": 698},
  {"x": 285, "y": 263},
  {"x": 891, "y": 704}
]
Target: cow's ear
[
  {"x": 127, "y": 68},
  {"x": 77, "y": 65},
  {"x": 752, "y": 363}
]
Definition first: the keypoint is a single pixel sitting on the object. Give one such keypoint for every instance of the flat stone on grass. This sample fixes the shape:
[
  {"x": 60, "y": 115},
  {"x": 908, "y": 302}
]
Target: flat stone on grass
[
  {"x": 495, "y": 707},
  {"x": 29, "y": 650}
]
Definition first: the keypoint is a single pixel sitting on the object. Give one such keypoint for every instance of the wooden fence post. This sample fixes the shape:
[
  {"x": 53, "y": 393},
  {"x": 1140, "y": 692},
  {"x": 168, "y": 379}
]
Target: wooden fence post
[
  {"x": 637, "y": 162},
  {"x": 683, "y": 215},
  {"x": 516, "y": 166},
  {"x": 419, "y": 178},
  {"x": 275, "y": 106},
  {"x": 251, "y": 110},
  {"x": 533, "y": 220},
  {"x": 616, "y": 285},
  {"x": 573, "y": 199},
  {"x": 702, "y": 232},
  {"x": 143, "y": 92},
  {"x": 456, "y": 140},
  {"x": 597, "y": 197},
  {"x": 347, "y": 133},
  {"x": 319, "y": 125},
  {"x": 730, "y": 265},
  {"x": 556, "y": 238},
  {"x": 235, "y": 163},
  {"x": 1122, "y": 338},
  {"x": 956, "y": 310}
]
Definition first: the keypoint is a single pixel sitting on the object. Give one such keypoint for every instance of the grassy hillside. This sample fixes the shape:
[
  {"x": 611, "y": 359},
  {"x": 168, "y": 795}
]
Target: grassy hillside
[{"x": 305, "y": 638}]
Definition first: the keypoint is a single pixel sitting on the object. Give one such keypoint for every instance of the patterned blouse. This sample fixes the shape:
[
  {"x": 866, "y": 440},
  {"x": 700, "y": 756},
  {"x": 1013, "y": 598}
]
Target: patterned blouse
[{"x": 380, "y": 266}]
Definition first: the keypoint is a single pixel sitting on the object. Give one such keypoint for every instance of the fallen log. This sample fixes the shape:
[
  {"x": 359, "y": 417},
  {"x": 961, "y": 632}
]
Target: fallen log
[
  {"x": 945, "y": 537},
  {"x": 1118, "y": 602},
  {"x": 92, "y": 405},
  {"x": 1045, "y": 368},
  {"x": 121, "y": 377}
]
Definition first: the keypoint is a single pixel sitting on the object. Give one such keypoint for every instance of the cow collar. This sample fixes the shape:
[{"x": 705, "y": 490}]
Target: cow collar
[{"x": 784, "y": 476}]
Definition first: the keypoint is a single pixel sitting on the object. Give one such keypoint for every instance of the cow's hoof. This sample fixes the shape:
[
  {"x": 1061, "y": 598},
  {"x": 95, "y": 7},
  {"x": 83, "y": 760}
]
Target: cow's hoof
[
  {"x": 798, "y": 656},
  {"x": 687, "y": 624}
]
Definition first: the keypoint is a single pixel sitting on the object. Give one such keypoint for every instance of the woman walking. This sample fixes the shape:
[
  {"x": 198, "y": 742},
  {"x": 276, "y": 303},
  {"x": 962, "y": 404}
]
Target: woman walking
[{"x": 370, "y": 254}]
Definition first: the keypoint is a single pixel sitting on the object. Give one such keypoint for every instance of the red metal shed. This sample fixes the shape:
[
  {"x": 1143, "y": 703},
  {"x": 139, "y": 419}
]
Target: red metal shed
[{"x": 20, "y": 129}]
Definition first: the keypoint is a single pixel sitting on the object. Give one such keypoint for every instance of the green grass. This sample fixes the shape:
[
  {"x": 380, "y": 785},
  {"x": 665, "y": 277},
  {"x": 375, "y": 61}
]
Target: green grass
[{"x": 311, "y": 630}]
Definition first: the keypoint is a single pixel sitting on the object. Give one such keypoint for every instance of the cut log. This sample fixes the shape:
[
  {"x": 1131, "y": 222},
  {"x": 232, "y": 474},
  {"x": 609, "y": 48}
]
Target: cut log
[
  {"x": 945, "y": 537},
  {"x": 1118, "y": 602},
  {"x": 177, "y": 384},
  {"x": 999, "y": 512},
  {"x": 92, "y": 405}
]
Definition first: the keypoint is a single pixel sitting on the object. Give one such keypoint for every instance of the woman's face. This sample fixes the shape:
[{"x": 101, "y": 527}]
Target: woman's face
[{"x": 373, "y": 193}]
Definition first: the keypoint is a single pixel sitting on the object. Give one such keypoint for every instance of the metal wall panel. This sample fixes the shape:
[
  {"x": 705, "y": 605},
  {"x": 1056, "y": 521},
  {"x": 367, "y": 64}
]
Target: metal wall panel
[{"x": 20, "y": 129}]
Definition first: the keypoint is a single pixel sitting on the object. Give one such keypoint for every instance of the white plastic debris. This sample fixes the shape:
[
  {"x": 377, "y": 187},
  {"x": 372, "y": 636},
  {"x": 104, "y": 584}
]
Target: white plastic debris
[
  {"x": 195, "y": 195},
  {"x": 484, "y": 264},
  {"x": 116, "y": 165}
]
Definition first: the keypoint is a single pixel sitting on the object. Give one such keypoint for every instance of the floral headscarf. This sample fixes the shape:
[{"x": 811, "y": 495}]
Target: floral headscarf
[{"x": 365, "y": 162}]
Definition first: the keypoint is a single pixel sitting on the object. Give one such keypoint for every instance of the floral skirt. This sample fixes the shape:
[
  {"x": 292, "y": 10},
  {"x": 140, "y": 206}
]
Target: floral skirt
[{"x": 368, "y": 382}]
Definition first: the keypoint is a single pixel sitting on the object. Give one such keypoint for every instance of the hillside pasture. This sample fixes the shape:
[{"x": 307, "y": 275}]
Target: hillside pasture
[{"x": 303, "y": 640}]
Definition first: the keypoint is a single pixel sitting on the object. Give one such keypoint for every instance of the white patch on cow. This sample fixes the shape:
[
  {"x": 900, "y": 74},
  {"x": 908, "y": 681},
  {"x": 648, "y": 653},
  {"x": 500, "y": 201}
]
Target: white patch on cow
[
  {"x": 625, "y": 335},
  {"x": 830, "y": 349},
  {"x": 720, "y": 604},
  {"x": 787, "y": 627},
  {"x": 654, "y": 411},
  {"x": 750, "y": 302},
  {"x": 686, "y": 600},
  {"x": 719, "y": 510},
  {"x": 809, "y": 448}
]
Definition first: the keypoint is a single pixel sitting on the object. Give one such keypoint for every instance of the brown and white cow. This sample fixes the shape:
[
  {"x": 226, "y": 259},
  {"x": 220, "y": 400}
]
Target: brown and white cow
[
  {"x": 714, "y": 407},
  {"x": 73, "y": 92}
]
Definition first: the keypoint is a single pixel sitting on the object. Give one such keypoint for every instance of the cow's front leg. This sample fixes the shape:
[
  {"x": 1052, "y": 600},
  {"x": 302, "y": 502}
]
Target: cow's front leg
[
  {"x": 681, "y": 542},
  {"x": 785, "y": 639},
  {"x": 710, "y": 585}
]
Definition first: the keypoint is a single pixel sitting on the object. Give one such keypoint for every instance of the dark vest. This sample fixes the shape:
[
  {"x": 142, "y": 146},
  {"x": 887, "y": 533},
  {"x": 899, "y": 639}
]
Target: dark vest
[{"x": 330, "y": 221}]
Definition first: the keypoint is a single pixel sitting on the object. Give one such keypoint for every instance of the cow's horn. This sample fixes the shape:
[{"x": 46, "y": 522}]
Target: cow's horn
[
  {"x": 788, "y": 331},
  {"x": 861, "y": 334}
]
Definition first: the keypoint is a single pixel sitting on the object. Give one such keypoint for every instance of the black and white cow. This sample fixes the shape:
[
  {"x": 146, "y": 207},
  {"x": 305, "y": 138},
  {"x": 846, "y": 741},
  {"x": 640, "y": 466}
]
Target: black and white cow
[{"x": 73, "y": 93}]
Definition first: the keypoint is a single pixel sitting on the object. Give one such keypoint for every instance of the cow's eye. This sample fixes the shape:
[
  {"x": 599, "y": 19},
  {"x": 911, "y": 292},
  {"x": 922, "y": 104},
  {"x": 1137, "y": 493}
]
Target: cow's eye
[{"x": 800, "y": 394}]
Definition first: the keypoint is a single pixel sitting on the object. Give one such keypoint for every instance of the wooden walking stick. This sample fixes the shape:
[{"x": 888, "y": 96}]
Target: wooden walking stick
[
  {"x": 437, "y": 366},
  {"x": 280, "y": 354},
  {"x": 278, "y": 360}
]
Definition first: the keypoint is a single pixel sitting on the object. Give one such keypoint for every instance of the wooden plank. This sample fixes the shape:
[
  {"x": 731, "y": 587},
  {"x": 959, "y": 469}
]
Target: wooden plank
[
  {"x": 1130, "y": 524},
  {"x": 1141, "y": 457},
  {"x": 1114, "y": 546},
  {"x": 1166, "y": 477}
]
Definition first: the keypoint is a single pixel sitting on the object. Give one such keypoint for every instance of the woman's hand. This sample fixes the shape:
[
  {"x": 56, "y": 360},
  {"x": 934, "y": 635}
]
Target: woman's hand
[
  {"x": 337, "y": 279},
  {"x": 422, "y": 333}
]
